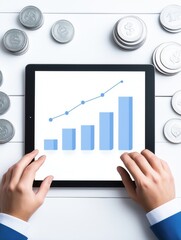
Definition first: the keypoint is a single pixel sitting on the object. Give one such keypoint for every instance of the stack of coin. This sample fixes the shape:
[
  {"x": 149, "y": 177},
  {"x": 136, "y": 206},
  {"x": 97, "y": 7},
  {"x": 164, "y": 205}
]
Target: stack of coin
[
  {"x": 4, "y": 102},
  {"x": 6, "y": 131},
  {"x": 170, "y": 18},
  {"x": 31, "y": 17},
  {"x": 62, "y": 31},
  {"x": 16, "y": 41},
  {"x": 172, "y": 130},
  {"x": 130, "y": 32},
  {"x": 176, "y": 102},
  {"x": 1, "y": 78},
  {"x": 167, "y": 58}
]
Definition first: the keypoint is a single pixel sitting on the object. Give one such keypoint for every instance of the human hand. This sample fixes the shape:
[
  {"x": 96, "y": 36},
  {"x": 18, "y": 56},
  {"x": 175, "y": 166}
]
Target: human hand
[
  {"x": 17, "y": 197},
  {"x": 154, "y": 183}
]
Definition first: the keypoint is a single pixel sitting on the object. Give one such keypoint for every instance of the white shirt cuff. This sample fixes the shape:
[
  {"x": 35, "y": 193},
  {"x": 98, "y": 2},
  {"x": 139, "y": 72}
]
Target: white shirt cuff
[
  {"x": 14, "y": 223},
  {"x": 164, "y": 211}
]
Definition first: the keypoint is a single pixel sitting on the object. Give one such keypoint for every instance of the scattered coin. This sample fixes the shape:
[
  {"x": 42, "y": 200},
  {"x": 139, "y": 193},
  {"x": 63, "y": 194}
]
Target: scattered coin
[
  {"x": 6, "y": 131},
  {"x": 176, "y": 102},
  {"x": 170, "y": 18},
  {"x": 172, "y": 130},
  {"x": 4, "y": 102},
  {"x": 167, "y": 58},
  {"x": 1, "y": 78},
  {"x": 31, "y": 17},
  {"x": 15, "y": 41},
  {"x": 62, "y": 31},
  {"x": 130, "y": 32}
]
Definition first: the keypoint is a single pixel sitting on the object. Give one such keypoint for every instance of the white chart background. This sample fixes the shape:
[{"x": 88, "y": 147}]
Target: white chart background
[{"x": 58, "y": 92}]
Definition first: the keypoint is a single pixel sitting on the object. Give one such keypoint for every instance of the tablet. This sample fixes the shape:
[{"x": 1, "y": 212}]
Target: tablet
[{"x": 83, "y": 117}]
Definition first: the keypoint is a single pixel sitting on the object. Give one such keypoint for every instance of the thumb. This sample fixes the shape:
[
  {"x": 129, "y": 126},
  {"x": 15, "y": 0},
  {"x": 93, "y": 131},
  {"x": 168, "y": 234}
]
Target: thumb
[
  {"x": 44, "y": 188},
  {"x": 128, "y": 183}
]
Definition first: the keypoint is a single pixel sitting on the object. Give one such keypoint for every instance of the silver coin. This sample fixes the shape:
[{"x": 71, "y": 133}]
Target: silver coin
[
  {"x": 1, "y": 78},
  {"x": 31, "y": 17},
  {"x": 6, "y": 131},
  {"x": 172, "y": 130},
  {"x": 176, "y": 102},
  {"x": 62, "y": 31},
  {"x": 4, "y": 103},
  {"x": 130, "y": 28},
  {"x": 170, "y": 18},
  {"x": 15, "y": 41},
  {"x": 171, "y": 56}
]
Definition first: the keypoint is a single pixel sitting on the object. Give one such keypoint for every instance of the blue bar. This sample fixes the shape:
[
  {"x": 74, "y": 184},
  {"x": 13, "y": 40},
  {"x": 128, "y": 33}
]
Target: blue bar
[
  {"x": 106, "y": 130},
  {"x": 125, "y": 125},
  {"x": 87, "y": 137},
  {"x": 50, "y": 144},
  {"x": 68, "y": 139}
]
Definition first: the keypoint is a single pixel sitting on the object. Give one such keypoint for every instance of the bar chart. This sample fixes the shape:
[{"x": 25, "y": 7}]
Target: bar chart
[{"x": 106, "y": 130}]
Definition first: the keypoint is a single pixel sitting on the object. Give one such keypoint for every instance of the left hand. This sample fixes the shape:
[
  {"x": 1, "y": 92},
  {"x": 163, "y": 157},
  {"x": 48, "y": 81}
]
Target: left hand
[{"x": 17, "y": 197}]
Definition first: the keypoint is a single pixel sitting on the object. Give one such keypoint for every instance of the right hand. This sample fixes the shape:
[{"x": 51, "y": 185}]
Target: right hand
[{"x": 154, "y": 183}]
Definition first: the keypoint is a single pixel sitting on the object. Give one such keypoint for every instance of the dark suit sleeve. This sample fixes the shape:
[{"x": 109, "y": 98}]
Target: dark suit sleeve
[
  {"x": 7, "y": 233},
  {"x": 169, "y": 228}
]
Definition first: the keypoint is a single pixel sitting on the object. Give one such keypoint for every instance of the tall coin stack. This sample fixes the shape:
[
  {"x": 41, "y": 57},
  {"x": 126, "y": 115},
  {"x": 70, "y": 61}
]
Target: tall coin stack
[
  {"x": 170, "y": 18},
  {"x": 167, "y": 58},
  {"x": 15, "y": 41},
  {"x": 31, "y": 17},
  {"x": 130, "y": 32}
]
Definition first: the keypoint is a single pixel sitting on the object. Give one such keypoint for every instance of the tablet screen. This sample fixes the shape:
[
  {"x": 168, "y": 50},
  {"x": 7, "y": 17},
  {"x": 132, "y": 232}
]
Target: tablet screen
[{"x": 84, "y": 119}]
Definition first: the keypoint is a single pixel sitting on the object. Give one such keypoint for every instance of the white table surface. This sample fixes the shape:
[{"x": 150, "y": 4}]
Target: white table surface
[{"x": 78, "y": 214}]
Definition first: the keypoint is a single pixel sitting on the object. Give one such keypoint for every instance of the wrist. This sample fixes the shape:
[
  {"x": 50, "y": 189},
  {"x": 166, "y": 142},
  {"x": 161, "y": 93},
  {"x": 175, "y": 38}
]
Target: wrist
[
  {"x": 14, "y": 223},
  {"x": 163, "y": 211}
]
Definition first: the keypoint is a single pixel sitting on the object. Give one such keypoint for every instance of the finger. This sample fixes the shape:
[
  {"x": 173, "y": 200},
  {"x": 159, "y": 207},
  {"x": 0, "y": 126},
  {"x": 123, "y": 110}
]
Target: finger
[
  {"x": 20, "y": 166},
  {"x": 142, "y": 163},
  {"x": 7, "y": 177},
  {"x": 3, "y": 180},
  {"x": 128, "y": 183},
  {"x": 166, "y": 167},
  {"x": 44, "y": 188},
  {"x": 28, "y": 175},
  {"x": 153, "y": 160},
  {"x": 132, "y": 167}
]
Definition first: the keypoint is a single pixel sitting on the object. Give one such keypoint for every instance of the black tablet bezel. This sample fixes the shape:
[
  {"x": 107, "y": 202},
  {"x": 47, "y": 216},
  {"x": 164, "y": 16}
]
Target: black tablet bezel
[{"x": 30, "y": 107}]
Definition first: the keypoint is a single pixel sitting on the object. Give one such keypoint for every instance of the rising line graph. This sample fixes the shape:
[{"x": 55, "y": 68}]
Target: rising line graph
[{"x": 83, "y": 102}]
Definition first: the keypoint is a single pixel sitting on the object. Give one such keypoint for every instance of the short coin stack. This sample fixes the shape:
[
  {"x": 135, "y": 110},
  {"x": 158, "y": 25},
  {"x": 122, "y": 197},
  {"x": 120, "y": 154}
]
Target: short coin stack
[
  {"x": 6, "y": 128},
  {"x": 167, "y": 58},
  {"x": 170, "y": 18},
  {"x": 4, "y": 103},
  {"x": 62, "y": 31},
  {"x": 172, "y": 130},
  {"x": 15, "y": 41},
  {"x": 6, "y": 131},
  {"x": 130, "y": 32},
  {"x": 176, "y": 102},
  {"x": 31, "y": 17}
]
